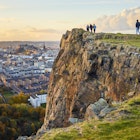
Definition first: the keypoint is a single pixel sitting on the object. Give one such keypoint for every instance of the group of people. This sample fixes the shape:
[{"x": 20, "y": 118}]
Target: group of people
[
  {"x": 91, "y": 27},
  {"x": 137, "y": 27}
]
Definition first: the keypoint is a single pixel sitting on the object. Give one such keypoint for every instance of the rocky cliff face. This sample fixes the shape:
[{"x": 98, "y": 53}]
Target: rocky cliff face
[{"x": 85, "y": 70}]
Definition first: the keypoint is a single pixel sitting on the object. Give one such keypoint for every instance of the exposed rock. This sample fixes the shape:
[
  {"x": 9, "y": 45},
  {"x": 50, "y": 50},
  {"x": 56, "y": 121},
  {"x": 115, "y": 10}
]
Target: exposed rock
[
  {"x": 98, "y": 110},
  {"x": 33, "y": 137},
  {"x": 105, "y": 111},
  {"x": 75, "y": 120},
  {"x": 85, "y": 70},
  {"x": 131, "y": 94},
  {"x": 22, "y": 138}
]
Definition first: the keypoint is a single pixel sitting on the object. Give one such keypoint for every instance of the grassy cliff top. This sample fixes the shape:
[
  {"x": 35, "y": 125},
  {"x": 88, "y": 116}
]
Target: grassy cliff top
[
  {"x": 121, "y": 124},
  {"x": 126, "y": 39}
]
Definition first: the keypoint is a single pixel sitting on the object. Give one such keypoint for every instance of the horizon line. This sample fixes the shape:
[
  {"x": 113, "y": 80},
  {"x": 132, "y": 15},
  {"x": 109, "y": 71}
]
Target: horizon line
[{"x": 28, "y": 41}]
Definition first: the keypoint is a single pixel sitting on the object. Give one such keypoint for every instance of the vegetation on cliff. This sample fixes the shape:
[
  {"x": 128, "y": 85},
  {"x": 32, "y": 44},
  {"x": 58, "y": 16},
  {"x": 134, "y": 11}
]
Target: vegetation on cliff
[
  {"x": 121, "y": 124},
  {"x": 125, "y": 39}
]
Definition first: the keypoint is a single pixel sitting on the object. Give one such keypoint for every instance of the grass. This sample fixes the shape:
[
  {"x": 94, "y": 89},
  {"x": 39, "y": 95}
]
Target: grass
[
  {"x": 124, "y": 128},
  {"x": 126, "y": 39},
  {"x": 133, "y": 43}
]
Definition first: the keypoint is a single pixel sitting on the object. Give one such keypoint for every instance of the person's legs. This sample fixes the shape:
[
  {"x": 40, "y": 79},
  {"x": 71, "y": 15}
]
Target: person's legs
[{"x": 137, "y": 30}]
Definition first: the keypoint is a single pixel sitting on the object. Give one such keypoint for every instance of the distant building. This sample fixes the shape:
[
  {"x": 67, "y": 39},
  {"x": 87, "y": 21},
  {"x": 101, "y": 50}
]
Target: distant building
[{"x": 37, "y": 100}]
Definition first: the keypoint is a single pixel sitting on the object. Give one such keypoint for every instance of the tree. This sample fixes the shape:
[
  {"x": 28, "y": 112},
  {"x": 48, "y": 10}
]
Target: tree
[
  {"x": 20, "y": 98},
  {"x": 27, "y": 129}
]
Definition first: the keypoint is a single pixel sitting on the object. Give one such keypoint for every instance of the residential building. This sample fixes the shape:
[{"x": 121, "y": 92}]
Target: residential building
[{"x": 36, "y": 100}]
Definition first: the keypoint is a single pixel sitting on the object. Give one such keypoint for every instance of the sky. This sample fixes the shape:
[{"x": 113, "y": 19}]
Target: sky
[{"x": 48, "y": 20}]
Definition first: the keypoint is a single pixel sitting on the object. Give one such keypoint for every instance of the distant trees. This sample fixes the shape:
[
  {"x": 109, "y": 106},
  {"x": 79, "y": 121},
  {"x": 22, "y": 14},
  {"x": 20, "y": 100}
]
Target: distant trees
[
  {"x": 7, "y": 131},
  {"x": 19, "y": 98},
  {"x": 19, "y": 119},
  {"x": 42, "y": 91},
  {"x": 1, "y": 101}
]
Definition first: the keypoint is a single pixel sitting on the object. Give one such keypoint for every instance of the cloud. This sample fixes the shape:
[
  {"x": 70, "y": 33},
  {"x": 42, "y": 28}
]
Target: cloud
[
  {"x": 7, "y": 19},
  {"x": 48, "y": 31},
  {"x": 30, "y": 33},
  {"x": 125, "y": 20}
]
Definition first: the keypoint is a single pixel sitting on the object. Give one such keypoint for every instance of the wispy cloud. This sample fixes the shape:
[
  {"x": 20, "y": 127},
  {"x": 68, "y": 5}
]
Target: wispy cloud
[
  {"x": 122, "y": 21},
  {"x": 30, "y": 33},
  {"x": 7, "y": 19},
  {"x": 48, "y": 31}
]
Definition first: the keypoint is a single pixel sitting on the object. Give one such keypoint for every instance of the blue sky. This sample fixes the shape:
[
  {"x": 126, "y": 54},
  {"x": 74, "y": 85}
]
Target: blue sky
[{"x": 49, "y": 19}]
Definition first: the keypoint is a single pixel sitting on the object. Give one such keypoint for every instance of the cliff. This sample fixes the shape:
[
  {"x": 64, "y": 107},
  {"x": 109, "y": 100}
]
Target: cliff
[{"x": 86, "y": 69}]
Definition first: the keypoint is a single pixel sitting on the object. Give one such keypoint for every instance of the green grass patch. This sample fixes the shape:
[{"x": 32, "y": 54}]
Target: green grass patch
[
  {"x": 126, "y": 39},
  {"x": 124, "y": 128},
  {"x": 121, "y": 130},
  {"x": 73, "y": 134},
  {"x": 133, "y": 43}
]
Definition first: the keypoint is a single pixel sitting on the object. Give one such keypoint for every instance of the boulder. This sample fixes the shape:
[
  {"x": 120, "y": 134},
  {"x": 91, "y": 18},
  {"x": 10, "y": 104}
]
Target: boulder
[
  {"x": 105, "y": 111},
  {"x": 97, "y": 109},
  {"x": 131, "y": 94},
  {"x": 22, "y": 138}
]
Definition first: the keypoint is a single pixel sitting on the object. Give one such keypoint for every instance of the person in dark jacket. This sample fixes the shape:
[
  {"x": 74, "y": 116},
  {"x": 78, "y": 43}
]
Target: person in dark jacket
[
  {"x": 87, "y": 27},
  {"x": 91, "y": 27},
  {"x": 137, "y": 27}
]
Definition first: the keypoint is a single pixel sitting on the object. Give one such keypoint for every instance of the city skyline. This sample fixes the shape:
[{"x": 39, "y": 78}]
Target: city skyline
[{"x": 34, "y": 20}]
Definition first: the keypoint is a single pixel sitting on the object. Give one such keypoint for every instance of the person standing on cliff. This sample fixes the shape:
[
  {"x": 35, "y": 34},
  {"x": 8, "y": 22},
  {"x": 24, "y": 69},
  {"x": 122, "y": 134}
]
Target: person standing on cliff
[
  {"x": 94, "y": 28},
  {"x": 91, "y": 27},
  {"x": 87, "y": 27},
  {"x": 137, "y": 27}
]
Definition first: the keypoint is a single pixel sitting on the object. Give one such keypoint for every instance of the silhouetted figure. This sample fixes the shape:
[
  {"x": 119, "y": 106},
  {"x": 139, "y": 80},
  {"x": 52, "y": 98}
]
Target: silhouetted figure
[
  {"x": 94, "y": 28},
  {"x": 87, "y": 27},
  {"x": 137, "y": 27},
  {"x": 91, "y": 27}
]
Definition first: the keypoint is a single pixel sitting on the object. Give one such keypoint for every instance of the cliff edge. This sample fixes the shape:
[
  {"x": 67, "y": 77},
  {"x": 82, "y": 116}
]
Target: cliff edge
[{"x": 87, "y": 69}]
